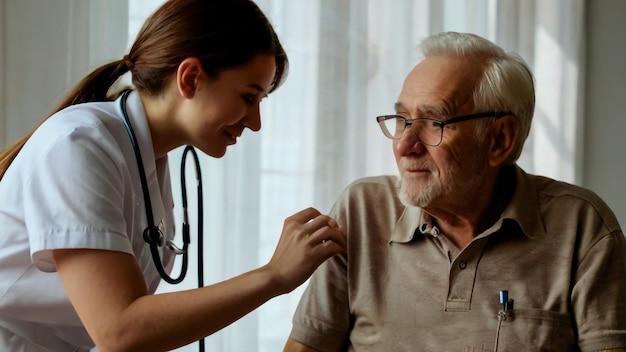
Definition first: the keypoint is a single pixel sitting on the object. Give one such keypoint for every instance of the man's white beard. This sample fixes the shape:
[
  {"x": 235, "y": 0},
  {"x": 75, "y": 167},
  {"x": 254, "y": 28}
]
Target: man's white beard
[
  {"x": 416, "y": 198},
  {"x": 439, "y": 185}
]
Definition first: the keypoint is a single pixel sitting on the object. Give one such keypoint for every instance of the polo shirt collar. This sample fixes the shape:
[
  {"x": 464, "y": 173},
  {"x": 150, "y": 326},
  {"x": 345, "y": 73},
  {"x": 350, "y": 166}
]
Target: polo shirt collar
[
  {"x": 407, "y": 226},
  {"x": 524, "y": 206},
  {"x": 522, "y": 209}
]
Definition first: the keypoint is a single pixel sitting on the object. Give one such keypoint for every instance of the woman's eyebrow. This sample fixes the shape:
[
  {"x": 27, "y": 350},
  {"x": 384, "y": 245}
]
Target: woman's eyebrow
[{"x": 259, "y": 88}]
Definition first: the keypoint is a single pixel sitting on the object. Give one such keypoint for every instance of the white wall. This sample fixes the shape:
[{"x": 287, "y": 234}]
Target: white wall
[
  {"x": 605, "y": 104},
  {"x": 40, "y": 59}
]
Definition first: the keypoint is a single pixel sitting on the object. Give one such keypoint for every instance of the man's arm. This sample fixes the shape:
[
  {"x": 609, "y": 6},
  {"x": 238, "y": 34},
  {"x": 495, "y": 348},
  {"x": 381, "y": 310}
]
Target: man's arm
[{"x": 295, "y": 346}]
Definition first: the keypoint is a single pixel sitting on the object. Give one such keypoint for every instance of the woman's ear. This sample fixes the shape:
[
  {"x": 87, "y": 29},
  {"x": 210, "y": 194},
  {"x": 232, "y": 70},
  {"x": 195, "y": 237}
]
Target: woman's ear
[
  {"x": 187, "y": 76},
  {"x": 505, "y": 132}
]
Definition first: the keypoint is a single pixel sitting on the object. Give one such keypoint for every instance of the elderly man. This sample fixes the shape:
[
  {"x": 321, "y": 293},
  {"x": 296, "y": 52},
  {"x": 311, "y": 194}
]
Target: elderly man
[{"x": 466, "y": 251}]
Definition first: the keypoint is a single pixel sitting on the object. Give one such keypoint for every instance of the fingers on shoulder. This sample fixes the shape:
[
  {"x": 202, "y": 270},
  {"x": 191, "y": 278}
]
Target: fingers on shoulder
[
  {"x": 304, "y": 215},
  {"x": 327, "y": 235}
]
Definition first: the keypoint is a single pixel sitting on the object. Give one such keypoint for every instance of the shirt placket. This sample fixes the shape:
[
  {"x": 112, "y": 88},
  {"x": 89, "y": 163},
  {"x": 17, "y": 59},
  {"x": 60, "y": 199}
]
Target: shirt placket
[{"x": 463, "y": 270}]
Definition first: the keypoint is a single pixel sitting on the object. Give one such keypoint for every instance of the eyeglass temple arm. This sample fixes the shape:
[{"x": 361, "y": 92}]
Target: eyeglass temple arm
[{"x": 497, "y": 115}]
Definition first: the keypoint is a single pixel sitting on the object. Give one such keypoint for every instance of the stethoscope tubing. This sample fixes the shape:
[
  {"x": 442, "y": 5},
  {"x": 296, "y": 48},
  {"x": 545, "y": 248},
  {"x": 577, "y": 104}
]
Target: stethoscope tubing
[{"x": 152, "y": 234}]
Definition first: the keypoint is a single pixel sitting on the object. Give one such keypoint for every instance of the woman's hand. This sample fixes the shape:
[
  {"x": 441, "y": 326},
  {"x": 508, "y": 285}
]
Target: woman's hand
[{"x": 307, "y": 240}]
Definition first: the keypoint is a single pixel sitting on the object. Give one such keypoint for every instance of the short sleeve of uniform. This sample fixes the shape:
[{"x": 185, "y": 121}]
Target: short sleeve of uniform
[{"x": 73, "y": 196}]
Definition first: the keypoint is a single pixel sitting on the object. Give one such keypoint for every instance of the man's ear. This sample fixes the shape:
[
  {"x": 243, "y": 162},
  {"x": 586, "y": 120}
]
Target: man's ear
[
  {"x": 505, "y": 132},
  {"x": 187, "y": 76}
]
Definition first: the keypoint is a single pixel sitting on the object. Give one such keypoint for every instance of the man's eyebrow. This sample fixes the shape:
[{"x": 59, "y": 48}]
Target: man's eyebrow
[
  {"x": 425, "y": 109},
  {"x": 398, "y": 107},
  {"x": 439, "y": 111}
]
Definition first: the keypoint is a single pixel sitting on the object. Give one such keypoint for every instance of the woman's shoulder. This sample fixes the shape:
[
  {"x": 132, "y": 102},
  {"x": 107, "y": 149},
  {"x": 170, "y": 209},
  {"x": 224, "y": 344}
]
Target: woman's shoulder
[
  {"x": 93, "y": 114},
  {"x": 88, "y": 128},
  {"x": 95, "y": 120}
]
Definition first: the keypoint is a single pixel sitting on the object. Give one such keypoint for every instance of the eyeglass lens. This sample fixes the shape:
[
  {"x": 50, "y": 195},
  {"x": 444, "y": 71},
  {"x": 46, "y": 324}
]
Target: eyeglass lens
[{"x": 427, "y": 131}]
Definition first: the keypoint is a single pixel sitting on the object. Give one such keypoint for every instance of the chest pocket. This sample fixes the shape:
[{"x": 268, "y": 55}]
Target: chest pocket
[{"x": 534, "y": 330}]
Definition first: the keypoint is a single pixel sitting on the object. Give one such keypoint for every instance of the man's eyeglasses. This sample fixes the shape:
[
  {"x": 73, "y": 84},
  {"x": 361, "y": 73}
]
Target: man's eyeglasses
[{"x": 428, "y": 131}]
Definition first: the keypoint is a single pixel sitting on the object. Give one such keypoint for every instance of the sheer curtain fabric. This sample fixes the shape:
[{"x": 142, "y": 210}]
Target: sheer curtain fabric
[{"x": 348, "y": 60}]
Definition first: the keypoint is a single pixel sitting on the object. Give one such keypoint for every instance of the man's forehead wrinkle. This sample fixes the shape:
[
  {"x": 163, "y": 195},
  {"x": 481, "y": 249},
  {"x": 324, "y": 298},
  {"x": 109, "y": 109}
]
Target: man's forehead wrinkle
[{"x": 426, "y": 109}]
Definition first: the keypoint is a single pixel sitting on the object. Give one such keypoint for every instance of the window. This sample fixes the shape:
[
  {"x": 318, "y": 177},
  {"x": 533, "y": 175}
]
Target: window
[{"x": 348, "y": 60}]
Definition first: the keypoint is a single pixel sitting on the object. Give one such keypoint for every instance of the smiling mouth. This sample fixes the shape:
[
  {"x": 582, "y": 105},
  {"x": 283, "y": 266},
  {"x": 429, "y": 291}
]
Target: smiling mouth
[{"x": 231, "y": 136}]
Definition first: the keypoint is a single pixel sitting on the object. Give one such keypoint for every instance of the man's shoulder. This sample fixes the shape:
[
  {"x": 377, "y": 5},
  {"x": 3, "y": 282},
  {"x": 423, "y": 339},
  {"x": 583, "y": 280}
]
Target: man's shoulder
[
  {"x": 373, "y": 192},
  {"x": 565, "y": 200},
  {"x": 555, "y": 189},
  {"x": 375, "y": 182}
]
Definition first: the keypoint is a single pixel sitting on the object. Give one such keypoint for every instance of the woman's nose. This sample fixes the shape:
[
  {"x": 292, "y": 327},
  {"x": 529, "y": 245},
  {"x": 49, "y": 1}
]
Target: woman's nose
[{"x": 253, "y": 120}]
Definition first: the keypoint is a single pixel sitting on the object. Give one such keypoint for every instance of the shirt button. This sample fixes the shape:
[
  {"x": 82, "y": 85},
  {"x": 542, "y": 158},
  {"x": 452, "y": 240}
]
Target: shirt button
[{"x": 462, "y": 264}]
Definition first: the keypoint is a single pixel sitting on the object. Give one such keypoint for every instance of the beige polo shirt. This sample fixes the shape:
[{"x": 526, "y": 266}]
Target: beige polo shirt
[{"x": 557, "y": 250}]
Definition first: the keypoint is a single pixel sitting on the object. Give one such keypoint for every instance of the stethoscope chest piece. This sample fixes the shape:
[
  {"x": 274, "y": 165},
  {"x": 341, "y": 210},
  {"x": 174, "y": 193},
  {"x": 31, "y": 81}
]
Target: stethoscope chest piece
[{"x": 152, "y": 234}]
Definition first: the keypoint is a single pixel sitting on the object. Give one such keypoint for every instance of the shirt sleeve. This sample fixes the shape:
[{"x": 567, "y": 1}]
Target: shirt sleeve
[
  {"x": 74, "y": 197},
  {"x": 598, "y": 294},
  {"x": 322, "y": 318}
]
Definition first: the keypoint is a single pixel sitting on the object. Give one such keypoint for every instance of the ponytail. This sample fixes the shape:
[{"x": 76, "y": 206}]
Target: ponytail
[{"x": 92, "y": 88}]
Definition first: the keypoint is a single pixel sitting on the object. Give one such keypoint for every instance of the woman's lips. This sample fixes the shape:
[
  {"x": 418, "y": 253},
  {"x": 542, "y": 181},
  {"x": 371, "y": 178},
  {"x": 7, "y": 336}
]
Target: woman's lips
[{"x": 232, "y": 137}]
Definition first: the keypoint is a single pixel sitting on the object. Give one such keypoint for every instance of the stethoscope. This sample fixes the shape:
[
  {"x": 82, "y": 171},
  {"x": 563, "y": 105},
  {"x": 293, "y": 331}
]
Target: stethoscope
[{"x": 153, "y": 234}]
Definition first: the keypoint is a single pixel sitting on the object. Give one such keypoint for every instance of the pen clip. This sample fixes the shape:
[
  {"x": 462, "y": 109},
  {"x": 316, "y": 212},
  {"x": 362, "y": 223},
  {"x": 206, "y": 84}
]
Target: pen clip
[{"x": 507, "y": 303}]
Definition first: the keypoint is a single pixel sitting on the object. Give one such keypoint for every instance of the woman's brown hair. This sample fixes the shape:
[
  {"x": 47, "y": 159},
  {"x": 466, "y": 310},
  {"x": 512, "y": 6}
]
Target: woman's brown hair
[{"x": 222, "y": 34}]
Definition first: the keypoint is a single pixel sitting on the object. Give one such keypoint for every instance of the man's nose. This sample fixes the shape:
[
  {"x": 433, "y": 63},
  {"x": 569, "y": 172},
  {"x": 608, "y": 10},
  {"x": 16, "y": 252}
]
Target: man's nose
[{"x": 409, "y": 142}]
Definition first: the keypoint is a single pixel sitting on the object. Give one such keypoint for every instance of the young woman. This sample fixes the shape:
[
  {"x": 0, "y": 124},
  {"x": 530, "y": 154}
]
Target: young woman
[{"x": 76, "y": 270}]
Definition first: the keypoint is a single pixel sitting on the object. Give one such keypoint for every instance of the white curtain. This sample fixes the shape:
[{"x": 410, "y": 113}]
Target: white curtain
[
  {"x": 550, "y": 36},
  {"x": 46, "y": 47},
  {"x": 348, "y": 62}
]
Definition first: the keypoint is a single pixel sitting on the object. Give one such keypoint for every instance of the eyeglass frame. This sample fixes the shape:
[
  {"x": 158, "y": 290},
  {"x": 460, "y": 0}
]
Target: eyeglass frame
[{"x": 442, "y": 123}]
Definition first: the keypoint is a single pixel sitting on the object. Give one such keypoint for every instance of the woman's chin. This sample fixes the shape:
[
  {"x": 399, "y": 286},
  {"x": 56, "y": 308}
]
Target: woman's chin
[
  {"x": 218, "y": 154},
  {"x": 215, "y": 152}
]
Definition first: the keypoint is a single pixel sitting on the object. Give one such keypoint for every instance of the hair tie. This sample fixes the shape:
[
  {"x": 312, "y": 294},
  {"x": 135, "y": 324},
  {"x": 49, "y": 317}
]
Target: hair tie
[{"x": 128, "y": 62}]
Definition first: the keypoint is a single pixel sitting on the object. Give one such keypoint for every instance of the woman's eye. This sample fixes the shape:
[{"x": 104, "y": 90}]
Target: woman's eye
[{"x": 248, "y": 98}]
